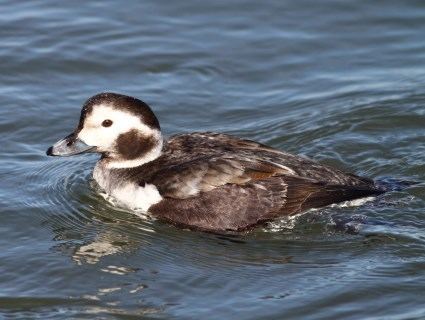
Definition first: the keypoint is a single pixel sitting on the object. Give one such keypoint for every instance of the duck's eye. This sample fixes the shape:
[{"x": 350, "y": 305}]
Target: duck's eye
[{"x": 107, "y": 123}]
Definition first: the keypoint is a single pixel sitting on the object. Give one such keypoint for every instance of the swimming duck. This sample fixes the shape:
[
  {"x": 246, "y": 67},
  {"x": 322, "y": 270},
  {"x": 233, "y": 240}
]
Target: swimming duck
[{"x": 202, "y": 180}]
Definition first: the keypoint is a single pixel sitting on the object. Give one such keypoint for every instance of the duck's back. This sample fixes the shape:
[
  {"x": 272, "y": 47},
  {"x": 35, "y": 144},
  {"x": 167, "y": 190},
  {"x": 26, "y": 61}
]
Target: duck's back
[{"x": 186, "y": 147}]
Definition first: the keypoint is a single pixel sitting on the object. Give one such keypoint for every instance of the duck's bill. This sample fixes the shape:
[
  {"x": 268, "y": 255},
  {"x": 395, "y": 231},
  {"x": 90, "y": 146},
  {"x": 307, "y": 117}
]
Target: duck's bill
[{"x": 69, "y": 146}]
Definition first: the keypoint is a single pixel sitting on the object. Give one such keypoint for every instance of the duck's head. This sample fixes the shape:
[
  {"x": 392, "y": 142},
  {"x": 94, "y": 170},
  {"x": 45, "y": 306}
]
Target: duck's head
[{"x": 122, "y": 128}]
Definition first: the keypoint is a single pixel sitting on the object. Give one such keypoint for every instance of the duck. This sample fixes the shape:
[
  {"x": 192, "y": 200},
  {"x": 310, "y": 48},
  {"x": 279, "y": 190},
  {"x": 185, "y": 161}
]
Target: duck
[{"x": 202, "y": 180}]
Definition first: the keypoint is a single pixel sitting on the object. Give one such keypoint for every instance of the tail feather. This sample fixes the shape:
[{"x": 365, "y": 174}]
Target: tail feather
[
  {"x": 304, "y": 194},
  {"x": 334, "y": 194}
]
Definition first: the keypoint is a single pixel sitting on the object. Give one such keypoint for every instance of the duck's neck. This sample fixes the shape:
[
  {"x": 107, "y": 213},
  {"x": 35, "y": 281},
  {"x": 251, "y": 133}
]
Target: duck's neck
[{"x": 118, "y": 162}]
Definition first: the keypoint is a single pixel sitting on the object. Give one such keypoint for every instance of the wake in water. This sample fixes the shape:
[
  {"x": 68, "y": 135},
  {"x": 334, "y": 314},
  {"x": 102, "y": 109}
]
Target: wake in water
[
  {"x": 393, "y": 184},
  {"x": 353, "y": 223}
]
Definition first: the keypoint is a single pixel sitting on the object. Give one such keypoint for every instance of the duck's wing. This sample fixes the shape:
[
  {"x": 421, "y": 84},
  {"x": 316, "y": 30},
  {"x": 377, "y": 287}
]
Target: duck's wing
[
  {"x": 205, "y": 174},
  {"x": 228, "y": 207},
  {"x": 236, "y": 207}
]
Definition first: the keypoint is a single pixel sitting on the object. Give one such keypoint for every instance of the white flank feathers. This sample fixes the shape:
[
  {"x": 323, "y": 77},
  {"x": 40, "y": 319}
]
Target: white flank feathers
[{"x": 136, "y": 197}]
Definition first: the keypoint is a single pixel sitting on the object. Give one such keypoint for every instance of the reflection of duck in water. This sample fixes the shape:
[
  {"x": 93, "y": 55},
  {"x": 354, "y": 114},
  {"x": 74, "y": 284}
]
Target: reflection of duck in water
[
  {"x": 207, "y": 181},
  {"x": 96, "y": 242},
  {"x": 101, "y": 234}
]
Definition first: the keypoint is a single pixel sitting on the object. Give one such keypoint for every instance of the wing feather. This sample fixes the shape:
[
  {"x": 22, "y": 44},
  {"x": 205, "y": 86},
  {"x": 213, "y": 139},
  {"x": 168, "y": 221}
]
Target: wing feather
[{"x": 194, "y": 177}]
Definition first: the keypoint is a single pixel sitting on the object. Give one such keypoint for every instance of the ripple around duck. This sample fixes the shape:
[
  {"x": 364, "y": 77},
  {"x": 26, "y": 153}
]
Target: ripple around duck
[
  {"x": 69, "y": 203},
  {"x": 60, "y": 185}
]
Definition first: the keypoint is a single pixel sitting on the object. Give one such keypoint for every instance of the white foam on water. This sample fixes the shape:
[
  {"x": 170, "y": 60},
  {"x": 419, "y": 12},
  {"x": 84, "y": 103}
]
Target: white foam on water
[
  {"x": 352, "y": 203},
  {"x": 289, "y": 222}
]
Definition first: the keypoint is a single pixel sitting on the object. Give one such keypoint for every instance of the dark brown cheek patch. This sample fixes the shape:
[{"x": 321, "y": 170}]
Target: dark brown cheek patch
[{"x": 133, "y": 144}]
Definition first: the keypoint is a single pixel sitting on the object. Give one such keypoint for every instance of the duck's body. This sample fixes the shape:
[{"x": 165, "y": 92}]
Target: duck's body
[{"x": 207, "y": 181}]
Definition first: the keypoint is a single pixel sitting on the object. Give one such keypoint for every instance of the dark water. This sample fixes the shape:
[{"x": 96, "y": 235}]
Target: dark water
[{"x": 341, "y": 82}]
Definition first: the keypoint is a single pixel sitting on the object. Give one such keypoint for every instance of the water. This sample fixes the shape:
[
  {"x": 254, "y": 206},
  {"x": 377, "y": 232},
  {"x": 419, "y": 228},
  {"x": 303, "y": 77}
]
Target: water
[{"x": 341, "y": 82}]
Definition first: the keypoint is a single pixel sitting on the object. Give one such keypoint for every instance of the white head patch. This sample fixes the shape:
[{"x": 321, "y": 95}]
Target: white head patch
[{"x": 104, "y": 138}]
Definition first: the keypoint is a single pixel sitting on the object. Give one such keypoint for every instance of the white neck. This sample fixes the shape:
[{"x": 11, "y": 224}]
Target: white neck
[{"x": 148, "y": 157}]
